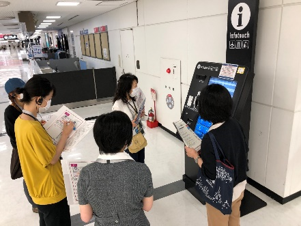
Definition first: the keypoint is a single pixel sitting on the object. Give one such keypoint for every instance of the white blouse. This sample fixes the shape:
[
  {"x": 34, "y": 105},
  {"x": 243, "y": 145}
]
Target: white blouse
[{"x": 120, "y": 106}]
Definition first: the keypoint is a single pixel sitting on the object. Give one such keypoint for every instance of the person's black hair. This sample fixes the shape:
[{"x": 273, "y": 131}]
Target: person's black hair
[
  {"x": 124, "y": 87},
  {"x": 37, "y": 86},
  {"x": 215, "y": 104},
  {"x": 135, "y": 78},
  {"x": 112, "y": 131},
  {"x": 12, "y": 97}
]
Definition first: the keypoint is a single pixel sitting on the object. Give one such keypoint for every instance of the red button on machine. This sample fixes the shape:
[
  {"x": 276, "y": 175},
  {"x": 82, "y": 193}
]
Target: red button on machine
[{"x": 168, "y": 70}]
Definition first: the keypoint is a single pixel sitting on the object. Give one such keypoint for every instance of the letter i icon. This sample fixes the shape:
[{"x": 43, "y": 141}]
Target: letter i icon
[{"x": 240, "y": 17}]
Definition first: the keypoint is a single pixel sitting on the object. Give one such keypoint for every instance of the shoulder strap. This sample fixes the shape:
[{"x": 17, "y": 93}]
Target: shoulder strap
[
  {"x": 133, "y": 106},
  {"x": 16, "y": 106},
  {"x": 216, "y": 147}
]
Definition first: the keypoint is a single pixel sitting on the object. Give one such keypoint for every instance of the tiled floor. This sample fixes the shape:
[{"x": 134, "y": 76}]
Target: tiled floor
[{"x": 165, "y": 158}]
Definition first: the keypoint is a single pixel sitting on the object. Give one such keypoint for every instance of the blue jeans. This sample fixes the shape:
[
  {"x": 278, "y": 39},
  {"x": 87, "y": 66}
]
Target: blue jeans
[{"x": 139, "y": 156}]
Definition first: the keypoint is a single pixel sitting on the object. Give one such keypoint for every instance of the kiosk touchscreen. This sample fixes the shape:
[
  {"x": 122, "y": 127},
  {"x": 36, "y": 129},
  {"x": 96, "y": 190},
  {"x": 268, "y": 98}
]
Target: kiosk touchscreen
[
  {"x": 234, "y": 78},
  {"x": 202, "y": 127}
]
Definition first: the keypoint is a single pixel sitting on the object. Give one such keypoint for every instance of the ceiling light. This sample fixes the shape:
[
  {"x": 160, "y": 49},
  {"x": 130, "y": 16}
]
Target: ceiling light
[
  {"x": 7, "y": 18},
  {"x": 67, "y": 3},
  {"x": 38, "y": 30},
  {"x": 11, "y": 24},
  {"x": 53, "y": 17},
  {"x": 4, "y": 3},
  {"x": 71, "y": 31},
  {"x": 47, "y": 21}
]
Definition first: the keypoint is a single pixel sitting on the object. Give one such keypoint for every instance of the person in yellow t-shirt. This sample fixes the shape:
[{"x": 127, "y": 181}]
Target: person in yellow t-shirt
[{"x": 39, "y": 157}]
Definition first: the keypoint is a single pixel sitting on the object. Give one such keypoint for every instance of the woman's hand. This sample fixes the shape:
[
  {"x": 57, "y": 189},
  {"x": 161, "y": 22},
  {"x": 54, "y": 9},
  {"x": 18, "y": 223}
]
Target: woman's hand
[
  {"x": 191, "y": 153},
  {"x": 133, "y": 122},
  {"x": 142, "y": 113},
  {"x": 68, "y": 128}
]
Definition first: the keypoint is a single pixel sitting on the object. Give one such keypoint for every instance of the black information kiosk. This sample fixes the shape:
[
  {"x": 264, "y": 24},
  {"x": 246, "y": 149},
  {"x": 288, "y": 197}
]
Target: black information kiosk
[
  {"x": 233, "y": 78},
  {"x": 236, "y": 76}
]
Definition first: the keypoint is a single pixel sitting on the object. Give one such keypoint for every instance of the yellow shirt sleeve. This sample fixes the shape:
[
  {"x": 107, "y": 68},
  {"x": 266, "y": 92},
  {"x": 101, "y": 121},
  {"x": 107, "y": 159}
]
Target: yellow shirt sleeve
[{"x": 42, "y": 145}]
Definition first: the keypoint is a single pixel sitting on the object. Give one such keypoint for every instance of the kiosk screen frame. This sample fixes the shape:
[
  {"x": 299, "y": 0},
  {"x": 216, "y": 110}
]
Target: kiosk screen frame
[{"x": 230, "y": 85}]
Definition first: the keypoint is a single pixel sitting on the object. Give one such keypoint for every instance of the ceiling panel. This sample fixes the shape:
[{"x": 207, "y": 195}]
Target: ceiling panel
[{"x": 42, "y": 8}]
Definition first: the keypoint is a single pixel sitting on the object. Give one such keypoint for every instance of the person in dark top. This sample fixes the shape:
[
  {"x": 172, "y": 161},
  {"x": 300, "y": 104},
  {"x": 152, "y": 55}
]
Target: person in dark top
[
  {"x": 51, "y": 54},
  {"x": 11, "y": 113},
  {"x": 215, "y": 105},
  {"x": 115, "y": 189}
]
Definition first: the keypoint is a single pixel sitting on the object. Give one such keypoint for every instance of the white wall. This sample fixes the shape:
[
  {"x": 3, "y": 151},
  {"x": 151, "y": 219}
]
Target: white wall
[
  {"x": 274, "y": 144},
  {"x": 121, "y": 18},
  {"x": 192, "y": 31}
]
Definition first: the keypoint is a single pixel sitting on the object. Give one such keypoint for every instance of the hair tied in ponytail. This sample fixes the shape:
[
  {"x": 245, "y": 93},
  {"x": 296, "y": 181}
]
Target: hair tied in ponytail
[{"x": 21, "y": 90}]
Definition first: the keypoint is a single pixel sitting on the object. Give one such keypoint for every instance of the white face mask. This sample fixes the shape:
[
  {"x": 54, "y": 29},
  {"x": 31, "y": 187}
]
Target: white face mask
[
  {"x": 135, "y": 92},
  {"x": 44, "y": 109}
]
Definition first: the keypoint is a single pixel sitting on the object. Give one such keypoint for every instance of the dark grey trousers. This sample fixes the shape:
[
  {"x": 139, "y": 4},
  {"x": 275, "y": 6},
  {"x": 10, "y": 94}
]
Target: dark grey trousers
[{"x": 28, "y": 196}]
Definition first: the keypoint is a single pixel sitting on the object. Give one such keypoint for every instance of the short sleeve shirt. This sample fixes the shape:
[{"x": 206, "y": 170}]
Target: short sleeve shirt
[
  {"x": 36, "y": 150},
  {"x": 115, "y": 191}
]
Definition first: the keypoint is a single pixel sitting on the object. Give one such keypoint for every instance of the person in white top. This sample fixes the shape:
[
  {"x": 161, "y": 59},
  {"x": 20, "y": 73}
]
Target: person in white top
[{"x": 126, "y": 100}]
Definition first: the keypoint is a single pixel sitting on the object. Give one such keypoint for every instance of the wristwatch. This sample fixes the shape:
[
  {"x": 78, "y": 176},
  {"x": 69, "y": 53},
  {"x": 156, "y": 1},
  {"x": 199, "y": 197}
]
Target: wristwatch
[{"x": 196, "y": 159}]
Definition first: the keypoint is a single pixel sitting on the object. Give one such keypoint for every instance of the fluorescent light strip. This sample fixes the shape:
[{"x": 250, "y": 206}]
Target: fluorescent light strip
[
  {"x": 53, "y": 17},
  {"x": 47, "y": 21},
  {"x": 67, "y": 3}
]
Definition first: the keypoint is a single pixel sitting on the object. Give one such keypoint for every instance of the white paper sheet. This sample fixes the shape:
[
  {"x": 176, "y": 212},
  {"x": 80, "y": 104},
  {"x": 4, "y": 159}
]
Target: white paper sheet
[
  {"x": 228, "y": 71},
  {"x": 71, "y": 171},
  {"x": 189, "y": 138},
  {"x": 54, "y": 127},
  {"x": 79, "y": 135}
]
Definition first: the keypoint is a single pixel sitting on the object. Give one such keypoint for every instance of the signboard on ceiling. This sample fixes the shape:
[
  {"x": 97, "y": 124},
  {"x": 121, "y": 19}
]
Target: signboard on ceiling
[{"x": 8, "y": 37}]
